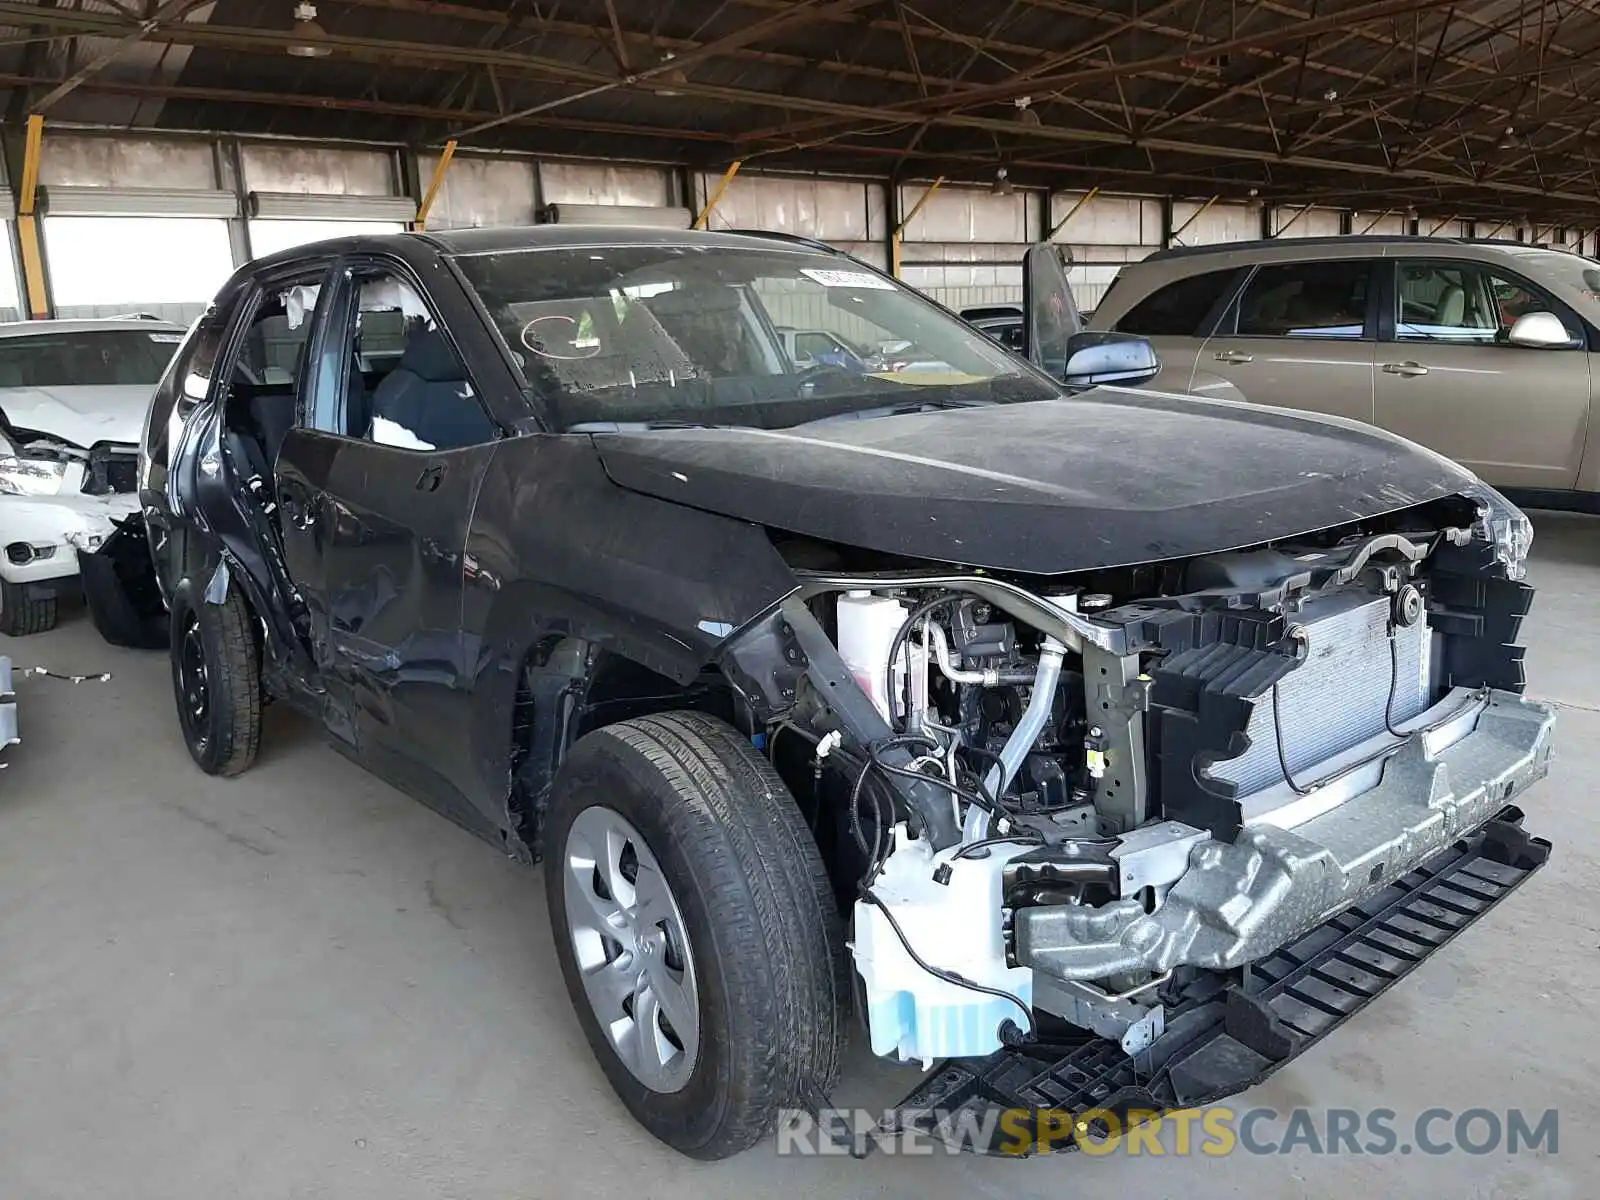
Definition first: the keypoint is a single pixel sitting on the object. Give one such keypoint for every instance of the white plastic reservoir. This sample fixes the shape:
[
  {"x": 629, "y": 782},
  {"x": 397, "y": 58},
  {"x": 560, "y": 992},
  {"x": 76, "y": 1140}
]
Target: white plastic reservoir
[
  {"x": 867, "y": 627},
  {"x": 911, "y": 1014}
]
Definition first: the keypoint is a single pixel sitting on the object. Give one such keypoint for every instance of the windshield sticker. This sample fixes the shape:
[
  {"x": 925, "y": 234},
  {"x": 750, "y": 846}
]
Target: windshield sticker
[
  {"x": 165, "y": 338},
  {"x": 567, "y": 341},
  {"x": 847, "y": 279}
]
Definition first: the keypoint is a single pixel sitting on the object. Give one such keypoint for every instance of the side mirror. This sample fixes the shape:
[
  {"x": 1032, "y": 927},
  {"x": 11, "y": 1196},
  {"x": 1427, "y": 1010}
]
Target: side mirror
[
  {"x": 1540, "y": 330},
  {"x": 1100, "y": 357}
]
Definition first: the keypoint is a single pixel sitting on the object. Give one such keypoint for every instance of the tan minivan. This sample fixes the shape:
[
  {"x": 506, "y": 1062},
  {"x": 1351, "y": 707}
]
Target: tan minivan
[{"x": 1484, "y": 351}]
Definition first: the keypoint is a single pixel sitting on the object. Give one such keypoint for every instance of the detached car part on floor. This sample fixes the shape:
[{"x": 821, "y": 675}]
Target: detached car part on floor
[{"x": 1089, "y": 735}]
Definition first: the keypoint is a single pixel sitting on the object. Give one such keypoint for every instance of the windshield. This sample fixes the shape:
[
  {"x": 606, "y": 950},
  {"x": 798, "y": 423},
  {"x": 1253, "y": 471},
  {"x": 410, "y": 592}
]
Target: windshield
[
  {"x": 712, "y": 335},
  {"x": 87, "y": 358},
  {"x": 1559, "y": 266}
]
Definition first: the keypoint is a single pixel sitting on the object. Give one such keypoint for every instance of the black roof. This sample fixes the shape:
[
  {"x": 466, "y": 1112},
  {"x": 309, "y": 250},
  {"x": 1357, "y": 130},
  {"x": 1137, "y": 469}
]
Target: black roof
[
  {"x": 410, "y": 246},
  {"x": 530, "y": 237}
]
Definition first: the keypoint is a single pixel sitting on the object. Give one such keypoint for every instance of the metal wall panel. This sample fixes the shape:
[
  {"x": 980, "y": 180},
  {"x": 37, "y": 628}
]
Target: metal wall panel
[
  {"x": 70, "y": 160},
  {"x": 1107, "y": 220},
  {"x": 835, "y": 210},
  {"x": 1218, "y": 223},
  {"x": 605, "y": 183},
  {"x": 1319, "y": 222},
  {"x": 1379, "y": 224},
  {"x": 964, "y": 214},
  {"x": 480, "y": 192},
  {"x": 322, "y": 170}
]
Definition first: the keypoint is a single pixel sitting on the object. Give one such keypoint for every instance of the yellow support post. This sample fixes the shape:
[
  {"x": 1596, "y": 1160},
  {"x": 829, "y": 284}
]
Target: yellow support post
[
  {"x": 434, "y": 184},
  {"x": 894, "y": 238},
  {"x": 716, "y": 196},
  {"x": 28, "y": 224}
]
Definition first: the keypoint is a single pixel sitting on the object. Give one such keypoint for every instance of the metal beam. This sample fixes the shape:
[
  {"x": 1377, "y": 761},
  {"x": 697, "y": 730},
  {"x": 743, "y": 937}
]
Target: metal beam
[
  {"x": 1373, "y": 224},
  {"x": 33, "y": 276},
  {"x": 1298, "y": 213},
  {"x": 172, "y": 10},
  {"x": 1071, "y": 212},
  {"x": 796, "y": 13},
  {"x": 895, "y": 238},
  {"x": 1195, "y": 216},
  {"x": 425, "y": 205},
  {"x": 1009, "y": 90},
  {"x": 432, "y": 57},
  {"x": 704, "y": 218}
]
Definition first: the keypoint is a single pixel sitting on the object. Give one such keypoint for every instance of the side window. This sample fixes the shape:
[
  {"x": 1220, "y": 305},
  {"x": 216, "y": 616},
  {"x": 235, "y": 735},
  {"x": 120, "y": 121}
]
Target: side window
[
  {"x": 1465, "y": 302},
  {"x": 811, "y": 347},
  {"x": 406, "y": 386},
  {"x": 274, "y": 346},
  {"x": 1311, "y": 299},
  {"x": 263, "y": 375},
  {"x": 185, "y": 385},
  {"x": 1179, "y": 308}
]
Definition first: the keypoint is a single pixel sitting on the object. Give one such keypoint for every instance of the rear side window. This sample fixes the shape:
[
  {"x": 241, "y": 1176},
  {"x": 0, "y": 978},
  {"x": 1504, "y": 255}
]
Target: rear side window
[
  {"x": 1308, "y": 299},
  {"x": 182, "y": 389},
  {"x": 1178, "y": 309}
]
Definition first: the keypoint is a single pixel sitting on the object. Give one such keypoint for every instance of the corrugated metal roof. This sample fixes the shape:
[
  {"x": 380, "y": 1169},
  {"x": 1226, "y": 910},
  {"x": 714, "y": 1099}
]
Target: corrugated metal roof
[{"x": 1469, "y": 108}]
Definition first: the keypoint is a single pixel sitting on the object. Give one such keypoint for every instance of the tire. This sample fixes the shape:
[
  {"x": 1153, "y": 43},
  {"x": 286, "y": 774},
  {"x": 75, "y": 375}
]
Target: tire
[
  {"x": 24, "y": 610},
  {"x": 764, "y": 960},
  {"x": 221, "y": 723}
]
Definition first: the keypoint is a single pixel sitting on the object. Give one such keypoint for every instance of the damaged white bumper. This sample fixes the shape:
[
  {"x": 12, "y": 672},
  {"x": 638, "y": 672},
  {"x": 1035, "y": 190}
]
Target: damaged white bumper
[
  {"x": 1186, "y": 899},
  {"x": 41, "y": 536}
]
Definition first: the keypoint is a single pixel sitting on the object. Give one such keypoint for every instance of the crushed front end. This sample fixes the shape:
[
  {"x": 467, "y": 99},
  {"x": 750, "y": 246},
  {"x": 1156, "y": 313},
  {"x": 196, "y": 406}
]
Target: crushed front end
[{"x": 1132, "y": 838}]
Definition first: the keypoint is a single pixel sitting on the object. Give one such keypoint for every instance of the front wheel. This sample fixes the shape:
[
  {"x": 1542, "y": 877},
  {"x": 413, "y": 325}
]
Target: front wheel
[
  {"x": 696, "y": 930},
  {"x": 216, "y": 681},
  {"x": 25, "y": 609}
]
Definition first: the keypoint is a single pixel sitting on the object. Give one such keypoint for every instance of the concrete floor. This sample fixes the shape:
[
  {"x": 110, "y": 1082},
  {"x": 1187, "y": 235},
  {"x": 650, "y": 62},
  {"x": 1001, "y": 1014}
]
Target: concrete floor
[{"x": 300, "y": 983}]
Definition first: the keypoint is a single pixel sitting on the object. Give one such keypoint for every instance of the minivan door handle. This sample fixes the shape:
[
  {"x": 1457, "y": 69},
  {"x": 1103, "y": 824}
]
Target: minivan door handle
[
  {"x": 1234, "y": 356},
  {"x": 1407, "y": 369},
  {"x": 430, "y": 479}
]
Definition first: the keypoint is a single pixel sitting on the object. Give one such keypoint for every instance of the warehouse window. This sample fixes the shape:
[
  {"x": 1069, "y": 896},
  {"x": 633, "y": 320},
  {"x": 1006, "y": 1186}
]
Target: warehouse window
[
  {"x": 101, "y": 266},
  {"x": 269, "y": 235}
]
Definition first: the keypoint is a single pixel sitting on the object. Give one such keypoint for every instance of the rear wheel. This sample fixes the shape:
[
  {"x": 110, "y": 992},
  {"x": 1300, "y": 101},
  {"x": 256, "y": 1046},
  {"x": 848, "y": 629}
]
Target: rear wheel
[
  {"x": 216, "y": 681},
  {"x": 696, "y": 930},
  {"x": 24, "y": 609}
]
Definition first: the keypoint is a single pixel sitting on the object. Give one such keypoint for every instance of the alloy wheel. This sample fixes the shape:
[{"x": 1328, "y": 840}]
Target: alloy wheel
[{"x": 633, "y": 954}]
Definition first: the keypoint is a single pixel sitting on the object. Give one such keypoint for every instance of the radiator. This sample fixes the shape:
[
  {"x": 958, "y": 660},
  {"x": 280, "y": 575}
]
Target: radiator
[{"x": 1336, "y": 695}]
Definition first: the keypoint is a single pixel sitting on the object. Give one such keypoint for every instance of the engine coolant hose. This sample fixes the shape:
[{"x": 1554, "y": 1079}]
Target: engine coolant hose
[{"x": 1045, "y": 679}]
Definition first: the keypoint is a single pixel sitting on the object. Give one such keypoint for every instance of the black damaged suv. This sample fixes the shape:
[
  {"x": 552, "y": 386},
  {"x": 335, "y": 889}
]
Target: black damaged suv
[{"x": 1112, "y": 724}]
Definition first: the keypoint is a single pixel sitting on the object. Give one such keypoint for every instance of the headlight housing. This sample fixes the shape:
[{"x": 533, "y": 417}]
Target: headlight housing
[
  {"x": 21, "y": 475},
  {"x": 1505, "y": 526}
]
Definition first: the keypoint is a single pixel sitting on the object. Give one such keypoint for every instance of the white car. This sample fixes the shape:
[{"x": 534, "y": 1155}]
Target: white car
[{"x": 73, "y": 396}]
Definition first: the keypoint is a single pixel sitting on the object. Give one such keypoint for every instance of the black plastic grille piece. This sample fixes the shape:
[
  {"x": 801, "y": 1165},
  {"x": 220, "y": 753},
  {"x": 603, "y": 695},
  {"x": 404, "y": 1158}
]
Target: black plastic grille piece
[{"x": 1225, "y": 1034}]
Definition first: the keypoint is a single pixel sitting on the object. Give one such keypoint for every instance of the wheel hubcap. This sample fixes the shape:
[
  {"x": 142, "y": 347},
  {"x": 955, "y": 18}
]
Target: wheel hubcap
[
  {"x": 632, "y": 952},
  {"x": 194, "y": 692}
]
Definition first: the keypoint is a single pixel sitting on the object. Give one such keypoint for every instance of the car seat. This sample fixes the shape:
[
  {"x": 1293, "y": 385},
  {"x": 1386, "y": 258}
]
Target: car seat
[
  {"x": 1452, "y": 307},
  {"x": 427, "y": 396}
]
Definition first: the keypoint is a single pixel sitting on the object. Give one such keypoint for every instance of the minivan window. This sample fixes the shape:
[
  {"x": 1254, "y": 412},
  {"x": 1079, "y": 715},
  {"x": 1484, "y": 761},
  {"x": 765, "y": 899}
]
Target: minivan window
[
  {"x": 1178, "y": 309},
  {"x": 1465, "y": 302},
  {"x": 1307, "y": 299}
]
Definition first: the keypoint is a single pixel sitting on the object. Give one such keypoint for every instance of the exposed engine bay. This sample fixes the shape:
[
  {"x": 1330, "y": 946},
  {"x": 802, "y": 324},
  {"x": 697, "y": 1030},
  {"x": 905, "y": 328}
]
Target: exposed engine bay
[{"x": 1064, "y": 801}]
